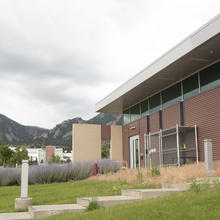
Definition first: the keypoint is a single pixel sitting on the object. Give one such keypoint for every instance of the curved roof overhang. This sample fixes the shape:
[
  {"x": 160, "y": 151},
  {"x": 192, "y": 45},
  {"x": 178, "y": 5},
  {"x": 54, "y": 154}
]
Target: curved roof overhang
[{"x": 197, "y": 51}]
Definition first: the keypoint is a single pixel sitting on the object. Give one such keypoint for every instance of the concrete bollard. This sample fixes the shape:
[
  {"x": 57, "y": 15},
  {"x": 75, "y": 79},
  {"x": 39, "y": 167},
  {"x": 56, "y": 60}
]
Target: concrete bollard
[
  {"x": 208, "y": 155},
  {"x": 24, "y": 201}
]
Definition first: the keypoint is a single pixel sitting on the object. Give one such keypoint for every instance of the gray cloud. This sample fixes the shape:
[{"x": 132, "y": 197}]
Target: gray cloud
[{"x": 57, "y": 60}]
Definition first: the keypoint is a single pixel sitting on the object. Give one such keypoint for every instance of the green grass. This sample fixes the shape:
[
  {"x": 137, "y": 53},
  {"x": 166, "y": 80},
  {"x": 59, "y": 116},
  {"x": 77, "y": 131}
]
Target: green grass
[
  {"x": 61, "y": 193},
  {"x": 188, "y": 205}
]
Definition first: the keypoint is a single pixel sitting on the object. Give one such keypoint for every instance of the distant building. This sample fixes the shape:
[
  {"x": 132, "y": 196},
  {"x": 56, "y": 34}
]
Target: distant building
[
  {"x": 36, "y": 154},
  {"x": 50, "y": 150}
]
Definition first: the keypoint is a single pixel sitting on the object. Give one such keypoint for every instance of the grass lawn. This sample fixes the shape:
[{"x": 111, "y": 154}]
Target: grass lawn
[
  {"x": 187, "y": 205},
  {"x": 62, "y": 193}
]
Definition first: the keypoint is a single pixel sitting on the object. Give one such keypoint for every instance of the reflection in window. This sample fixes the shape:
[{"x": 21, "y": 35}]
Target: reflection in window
[
  {"x": 154, "y": 102},
  {"x": 171, "y": 95},
  {"x": 210, "y": 77},
  {"x": 135, "y": 112},
  {"x": 190, "y": 86},
  {"x": 126, "y": 117},
  {"x": 144, "y": 108}
]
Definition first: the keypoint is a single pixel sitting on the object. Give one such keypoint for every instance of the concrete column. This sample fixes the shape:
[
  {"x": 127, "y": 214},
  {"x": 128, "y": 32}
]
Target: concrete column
[
  {"x": 24, "y": 201},
  {"x": 208, "y": 154},
  {"x": 24, "y": 179}
]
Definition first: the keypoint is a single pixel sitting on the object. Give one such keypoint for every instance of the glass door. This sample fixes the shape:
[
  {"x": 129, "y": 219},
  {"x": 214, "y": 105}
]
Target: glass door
[{"x": 134, "y": 152}]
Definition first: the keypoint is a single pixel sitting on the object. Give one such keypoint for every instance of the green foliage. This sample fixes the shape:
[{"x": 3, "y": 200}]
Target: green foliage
[
  {"x": 184, "y": 206},
  {"x": 105, "y": 148},
  {"x": 93, "y": 205},
  {"x": 5, "y": 154},
  {"x": 55, "y": 159},
  {"x": 19, "y": 155},
  {"x": 155, "y": 171},
  {"x": 216, "y": 184},
  {"x": 199, "y": 186},
  {"x": 140, "y": 176},
  {"x": 195, "y": 186}
]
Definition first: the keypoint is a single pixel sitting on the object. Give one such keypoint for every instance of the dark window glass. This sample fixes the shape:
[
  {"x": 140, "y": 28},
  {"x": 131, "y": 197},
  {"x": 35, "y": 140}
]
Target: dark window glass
[
  {"x": 126, "y": 117},
  {"x": 144, "y": 107},
  {"x": 210, "y": 77},
  {"x": 171, "y": 95},
  {"x": 190, "y": 86},
  {"x": 154, "y": 102},
  {"x": 135, "y": 112}
]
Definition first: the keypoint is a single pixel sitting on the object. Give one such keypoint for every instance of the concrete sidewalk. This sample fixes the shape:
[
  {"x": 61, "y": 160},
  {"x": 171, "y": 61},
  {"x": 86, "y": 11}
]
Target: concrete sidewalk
[{"x": 127, "y": 196}]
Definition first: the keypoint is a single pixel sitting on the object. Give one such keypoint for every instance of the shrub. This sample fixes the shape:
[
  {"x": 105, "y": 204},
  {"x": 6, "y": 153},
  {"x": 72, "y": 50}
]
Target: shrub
[
  {"x": 9, "y": 176},
  {"x": 50, "y": 173},
  {"x": 155, "y": 171},
  {"x": 93, "y": 205},
  {"x": 106, "y": 166}
]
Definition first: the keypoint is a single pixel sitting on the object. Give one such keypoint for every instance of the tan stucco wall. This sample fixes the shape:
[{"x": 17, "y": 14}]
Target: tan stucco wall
[
  {"x": 116, "y": 151},
  {"x": 86, "y": 142}
]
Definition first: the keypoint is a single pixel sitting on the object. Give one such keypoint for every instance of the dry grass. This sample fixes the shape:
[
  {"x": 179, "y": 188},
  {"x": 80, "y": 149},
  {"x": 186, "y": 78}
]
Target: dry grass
[{"x": 185, "y": 173}]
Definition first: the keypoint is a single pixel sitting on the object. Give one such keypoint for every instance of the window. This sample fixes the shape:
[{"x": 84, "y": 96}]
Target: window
[
  {"x": 171, "y": 95},
  {"x": 126, "y": 117},
  {"x": 135, "y": 112},
  {"x": 144, "y": 108},
  {"x": 190, "y": 86},
  {"x": 210, "y": 77},
  {"x": 154, "y": 103}
]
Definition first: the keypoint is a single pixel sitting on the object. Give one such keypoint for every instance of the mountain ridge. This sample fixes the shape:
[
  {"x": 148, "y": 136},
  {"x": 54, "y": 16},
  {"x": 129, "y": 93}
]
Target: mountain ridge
[{"x": 14, "y": 133}]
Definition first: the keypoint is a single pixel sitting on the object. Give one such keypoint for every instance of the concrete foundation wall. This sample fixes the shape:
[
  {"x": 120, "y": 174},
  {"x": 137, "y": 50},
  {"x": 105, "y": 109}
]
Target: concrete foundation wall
[
  {"x": 86, "y": 142},
  {"x": 116, "y": 151}
]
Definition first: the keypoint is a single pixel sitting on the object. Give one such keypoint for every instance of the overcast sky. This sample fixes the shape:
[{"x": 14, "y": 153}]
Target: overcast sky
[{"x": 58, "y": 58}]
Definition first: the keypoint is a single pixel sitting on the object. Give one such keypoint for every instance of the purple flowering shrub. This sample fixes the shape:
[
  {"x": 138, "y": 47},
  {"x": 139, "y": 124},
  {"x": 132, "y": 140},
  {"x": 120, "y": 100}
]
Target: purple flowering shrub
[
  {"x": 9, "y": 176},
  {"x": 50, "y": 173}
]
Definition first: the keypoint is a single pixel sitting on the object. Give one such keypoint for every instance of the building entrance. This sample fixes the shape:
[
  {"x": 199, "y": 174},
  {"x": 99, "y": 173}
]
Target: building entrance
[{"x": 134, "y": 151}]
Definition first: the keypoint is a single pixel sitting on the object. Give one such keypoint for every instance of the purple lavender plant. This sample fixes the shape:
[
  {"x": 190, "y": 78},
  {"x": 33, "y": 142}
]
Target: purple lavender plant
[{"x": 9, "y": 176}]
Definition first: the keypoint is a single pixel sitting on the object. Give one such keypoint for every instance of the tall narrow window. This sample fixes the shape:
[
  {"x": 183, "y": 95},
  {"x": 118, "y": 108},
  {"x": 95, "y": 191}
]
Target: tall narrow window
[
  {"x": 190, "y": 86},
  {"x": 135, "y": 112},
  {"x": 144, "y": 108},
  {"x": 210, "y": 77},
  {"x": 154, "y": 103},
  {"x": 171, "y": 95},
  {"x": 126, "y": 117}
]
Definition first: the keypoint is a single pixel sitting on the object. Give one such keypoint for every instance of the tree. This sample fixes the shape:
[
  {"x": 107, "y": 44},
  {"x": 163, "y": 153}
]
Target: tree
[
  {"x": 54, "y": 158},
  {"x": 105, "y": 148},
  {"x": 19, "y": 155},
  {"x": 5, "y": 155}
]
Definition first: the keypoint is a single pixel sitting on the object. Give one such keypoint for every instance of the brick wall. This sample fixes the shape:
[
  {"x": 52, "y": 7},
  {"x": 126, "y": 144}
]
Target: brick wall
[
  {"x": 204, "y": 111},
  {"x": 171, "y": 116},
  {"x": 50, "y": 150}
]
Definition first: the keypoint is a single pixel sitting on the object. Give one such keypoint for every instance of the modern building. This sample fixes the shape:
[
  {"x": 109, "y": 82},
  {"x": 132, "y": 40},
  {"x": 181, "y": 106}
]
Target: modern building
[{"x": 172, "y": 105}]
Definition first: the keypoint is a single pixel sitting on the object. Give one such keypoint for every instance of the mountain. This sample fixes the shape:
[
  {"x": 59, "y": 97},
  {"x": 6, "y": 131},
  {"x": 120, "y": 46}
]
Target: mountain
[
  {"x": 61, "y": 135},
  {"x": 13, "y": 132}
]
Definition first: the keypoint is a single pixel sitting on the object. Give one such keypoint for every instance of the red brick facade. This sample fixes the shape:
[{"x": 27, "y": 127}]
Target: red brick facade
[
  {"x": 171, "y": 116},
  {"x": 202, "y": 110}
]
